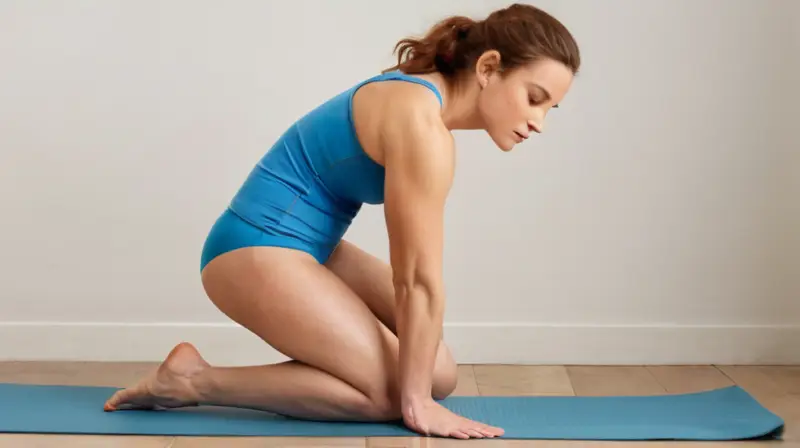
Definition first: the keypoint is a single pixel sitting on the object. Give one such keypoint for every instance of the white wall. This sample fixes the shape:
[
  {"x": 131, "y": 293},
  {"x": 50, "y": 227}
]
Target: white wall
[
  {"x": 651, "y": 224},
  {"x": 789, "y": 193}
]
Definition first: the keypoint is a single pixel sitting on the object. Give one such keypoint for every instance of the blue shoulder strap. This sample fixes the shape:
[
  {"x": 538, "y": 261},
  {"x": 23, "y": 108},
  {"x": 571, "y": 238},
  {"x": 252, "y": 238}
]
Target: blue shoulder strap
[{"x": 398, "y": 75}]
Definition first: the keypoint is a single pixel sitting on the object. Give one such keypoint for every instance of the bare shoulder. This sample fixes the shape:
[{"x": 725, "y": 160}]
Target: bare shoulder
[
  {"x": 398, "y": 119},
  {"x": 415, "y": 139}
]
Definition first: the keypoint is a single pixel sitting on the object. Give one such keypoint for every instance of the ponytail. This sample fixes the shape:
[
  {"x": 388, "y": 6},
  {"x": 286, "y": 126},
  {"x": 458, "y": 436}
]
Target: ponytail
[{"x": 439, "y": 50}]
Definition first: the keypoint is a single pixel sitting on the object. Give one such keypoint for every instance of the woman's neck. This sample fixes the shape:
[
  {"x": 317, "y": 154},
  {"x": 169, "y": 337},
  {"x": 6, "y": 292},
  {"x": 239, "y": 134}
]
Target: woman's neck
[{"x": 460, "y": 101}]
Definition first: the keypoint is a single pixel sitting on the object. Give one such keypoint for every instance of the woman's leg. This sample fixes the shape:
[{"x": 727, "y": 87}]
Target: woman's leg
[
  {"x": 344, "y": 358},
  {"x": 371, "y": 279}
]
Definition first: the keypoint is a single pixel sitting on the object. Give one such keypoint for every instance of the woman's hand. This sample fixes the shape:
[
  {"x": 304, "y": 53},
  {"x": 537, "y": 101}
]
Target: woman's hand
[{"x": 429, "y": 418}]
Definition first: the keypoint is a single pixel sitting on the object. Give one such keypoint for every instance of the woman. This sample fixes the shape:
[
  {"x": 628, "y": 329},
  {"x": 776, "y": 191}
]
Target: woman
[{"x": 365, "y": 337}]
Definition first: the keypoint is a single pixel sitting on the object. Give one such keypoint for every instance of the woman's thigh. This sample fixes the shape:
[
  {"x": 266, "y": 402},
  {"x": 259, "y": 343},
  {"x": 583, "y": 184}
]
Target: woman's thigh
[{"x": 307, "y": 313}]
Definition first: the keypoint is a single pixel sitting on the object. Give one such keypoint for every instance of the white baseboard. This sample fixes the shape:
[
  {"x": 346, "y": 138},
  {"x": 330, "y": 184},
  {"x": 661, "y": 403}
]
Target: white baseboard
[{"x": 491, "y": 343}]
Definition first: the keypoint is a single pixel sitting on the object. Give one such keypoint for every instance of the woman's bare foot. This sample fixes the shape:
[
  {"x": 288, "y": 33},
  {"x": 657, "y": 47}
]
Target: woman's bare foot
[{"x": 170, "y": 386}]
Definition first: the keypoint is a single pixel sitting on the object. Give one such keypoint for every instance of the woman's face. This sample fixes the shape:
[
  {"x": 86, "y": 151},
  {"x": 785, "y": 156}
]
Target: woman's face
[{"x": 513, "y": 105}]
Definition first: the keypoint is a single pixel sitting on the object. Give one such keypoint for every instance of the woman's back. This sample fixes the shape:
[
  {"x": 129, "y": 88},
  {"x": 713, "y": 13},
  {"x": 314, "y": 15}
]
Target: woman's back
[{"x": 314, "y": 179}]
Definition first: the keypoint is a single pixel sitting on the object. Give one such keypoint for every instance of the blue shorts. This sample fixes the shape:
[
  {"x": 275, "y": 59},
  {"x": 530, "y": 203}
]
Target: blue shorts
[{"x": 230, "y": 232}]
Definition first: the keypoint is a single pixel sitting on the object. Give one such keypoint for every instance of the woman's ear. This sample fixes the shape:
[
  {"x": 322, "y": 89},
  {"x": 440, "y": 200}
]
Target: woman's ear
[{"x": 487, "y": 65}]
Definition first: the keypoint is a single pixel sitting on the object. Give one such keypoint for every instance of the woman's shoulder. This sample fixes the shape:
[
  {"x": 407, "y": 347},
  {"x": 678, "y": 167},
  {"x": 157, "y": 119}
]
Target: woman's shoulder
[
  {"x": 412, "y": 110},
  {"x": 396, "y": 114},
  {"x": 396, "y": 93}
]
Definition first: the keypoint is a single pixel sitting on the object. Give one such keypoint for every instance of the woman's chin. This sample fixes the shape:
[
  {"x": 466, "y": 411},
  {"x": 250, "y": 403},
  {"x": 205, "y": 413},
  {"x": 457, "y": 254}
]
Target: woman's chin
[{"x": 504, "y": 144}]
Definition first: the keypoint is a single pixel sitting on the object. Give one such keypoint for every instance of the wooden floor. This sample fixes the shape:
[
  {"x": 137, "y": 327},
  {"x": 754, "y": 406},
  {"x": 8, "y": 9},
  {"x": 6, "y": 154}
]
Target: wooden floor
[{"x": 776, "y": 387}]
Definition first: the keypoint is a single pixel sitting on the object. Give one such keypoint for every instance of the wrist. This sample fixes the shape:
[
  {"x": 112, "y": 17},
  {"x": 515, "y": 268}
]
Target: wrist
[{"x": 414, "y": 399}]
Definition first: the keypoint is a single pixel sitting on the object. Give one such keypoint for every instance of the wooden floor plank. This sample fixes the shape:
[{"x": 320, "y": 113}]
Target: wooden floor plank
[
  {"x": 613, "y": 380},
  {"x": 688, "y": 379},
  {"x": 514, "y": 380}
]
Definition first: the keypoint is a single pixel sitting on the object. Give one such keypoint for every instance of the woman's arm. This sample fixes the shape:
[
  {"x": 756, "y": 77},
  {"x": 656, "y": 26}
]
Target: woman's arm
[{"x": 419, "y": 162}]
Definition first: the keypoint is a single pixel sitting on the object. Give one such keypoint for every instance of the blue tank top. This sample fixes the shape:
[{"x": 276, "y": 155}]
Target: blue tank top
[{"x": 314, "y": 179}]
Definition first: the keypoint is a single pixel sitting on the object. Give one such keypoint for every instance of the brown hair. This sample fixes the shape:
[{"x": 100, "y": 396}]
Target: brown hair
[{"x": 520, "y": 33}]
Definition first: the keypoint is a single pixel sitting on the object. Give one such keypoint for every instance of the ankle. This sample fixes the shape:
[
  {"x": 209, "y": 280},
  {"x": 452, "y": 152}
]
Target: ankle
[{"x": 204, "y": 385}]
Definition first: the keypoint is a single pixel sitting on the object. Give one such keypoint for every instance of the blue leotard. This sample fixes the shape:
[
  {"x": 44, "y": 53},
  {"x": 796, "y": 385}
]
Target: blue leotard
[{"x": 305, "y": 191}]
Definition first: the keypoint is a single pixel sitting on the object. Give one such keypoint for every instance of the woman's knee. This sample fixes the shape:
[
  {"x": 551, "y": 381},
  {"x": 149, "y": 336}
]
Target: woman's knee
[{"x": 445, "y": 374}]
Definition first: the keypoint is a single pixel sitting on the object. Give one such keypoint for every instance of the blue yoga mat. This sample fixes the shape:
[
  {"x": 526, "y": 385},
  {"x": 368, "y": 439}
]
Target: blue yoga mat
[{"x": 729, "y": 413}]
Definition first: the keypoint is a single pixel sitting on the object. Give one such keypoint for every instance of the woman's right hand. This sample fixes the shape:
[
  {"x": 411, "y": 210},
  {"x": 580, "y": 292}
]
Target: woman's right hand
[{"x": 430, "y": 418}]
